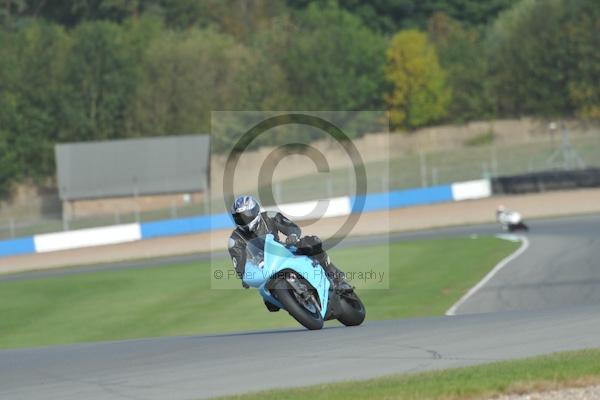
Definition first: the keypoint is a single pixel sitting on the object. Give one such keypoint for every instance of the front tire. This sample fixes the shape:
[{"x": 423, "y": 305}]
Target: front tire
[
  {"x": 283, "y": 293},
  {"x": 353, "y": 310}
]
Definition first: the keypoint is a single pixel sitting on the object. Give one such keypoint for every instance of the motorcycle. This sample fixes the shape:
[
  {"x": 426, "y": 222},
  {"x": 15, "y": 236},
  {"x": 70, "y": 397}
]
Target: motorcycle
[
  {"x": 511, "y": 221},
  {"x": 298, "y": 284}
]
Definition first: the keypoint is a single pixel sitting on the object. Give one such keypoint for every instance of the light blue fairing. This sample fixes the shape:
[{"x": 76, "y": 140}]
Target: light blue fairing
[{"x": 277, "y": 258}]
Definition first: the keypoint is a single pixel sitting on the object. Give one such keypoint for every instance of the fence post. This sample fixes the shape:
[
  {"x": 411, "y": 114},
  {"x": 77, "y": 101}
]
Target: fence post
[
  {"x": 484, "y": 170},
  {"x": 206, "y": 202},
  {"x": 423, "y": 165},
  {"x": 278, "y": 193},
  {"x": 494, "y": 161},
  {"x": 67, "y": 214},
  {"x": 173, "y": 209}
]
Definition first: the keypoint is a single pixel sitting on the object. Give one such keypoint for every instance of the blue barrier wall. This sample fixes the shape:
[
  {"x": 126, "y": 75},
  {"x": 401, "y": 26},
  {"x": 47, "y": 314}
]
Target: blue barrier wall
[
  {"x": 17, "y": 246},
  {"x": 402, "y": 198},
  {"x": 183, "y": 226}
]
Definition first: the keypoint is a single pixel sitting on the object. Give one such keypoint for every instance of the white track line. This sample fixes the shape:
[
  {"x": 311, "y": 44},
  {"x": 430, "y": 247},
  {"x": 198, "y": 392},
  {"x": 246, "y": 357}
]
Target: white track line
[{"x": 490, "y": 275}]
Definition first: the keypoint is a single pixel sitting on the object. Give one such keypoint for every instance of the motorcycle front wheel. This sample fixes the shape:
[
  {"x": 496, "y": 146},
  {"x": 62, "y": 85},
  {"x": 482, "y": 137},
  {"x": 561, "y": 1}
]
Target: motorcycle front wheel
[{"x": 306, "y": 314}]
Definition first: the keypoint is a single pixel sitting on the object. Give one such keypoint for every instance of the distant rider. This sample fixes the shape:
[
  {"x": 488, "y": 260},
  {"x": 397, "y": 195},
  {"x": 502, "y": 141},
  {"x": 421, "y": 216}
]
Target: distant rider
[
  {"x": 510, "y": 220},
  {"x": 251, "y": 222}
]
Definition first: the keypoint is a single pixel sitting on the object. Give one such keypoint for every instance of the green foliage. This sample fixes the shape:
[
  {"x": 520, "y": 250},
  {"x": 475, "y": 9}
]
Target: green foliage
[
  {"x": 8, "y": 111},
  {"x": 529, "y": 62},
  {"x": 96, "y": 69},
  {"x": 34, "y": 66},
  {"x": 582, "y": 27},
  {"x": 419, "y": 94},
  {"x": 462, "y": 55},
  {"x": 333, "y": 61},
  {"x": 100, "y": 82},
  {"x": 545, "y": 59},
  {"x": 392, "y": 15},
  {"x": 186, "y": 75}
]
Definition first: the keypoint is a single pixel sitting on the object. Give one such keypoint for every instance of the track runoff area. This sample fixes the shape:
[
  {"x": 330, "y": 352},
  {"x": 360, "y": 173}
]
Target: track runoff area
[{"x": 543, "y": 301}]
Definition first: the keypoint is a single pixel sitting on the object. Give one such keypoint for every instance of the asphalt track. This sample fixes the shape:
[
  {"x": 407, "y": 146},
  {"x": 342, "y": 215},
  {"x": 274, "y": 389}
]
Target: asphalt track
[
  {"x": 560, "y": 268},
  {"x": 553, "y": 285}
]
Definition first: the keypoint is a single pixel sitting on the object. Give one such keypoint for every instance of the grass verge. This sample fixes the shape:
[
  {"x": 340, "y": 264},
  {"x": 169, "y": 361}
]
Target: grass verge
[
  {"x": 426, "y": 277},
  {"x": 569, "y": 369}
]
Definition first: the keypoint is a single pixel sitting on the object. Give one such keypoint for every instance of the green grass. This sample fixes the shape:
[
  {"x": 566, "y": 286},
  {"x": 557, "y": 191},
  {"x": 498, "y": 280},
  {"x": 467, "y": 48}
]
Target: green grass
[
  {"x": 522, "y": 376},
  {"x": 426, "y": 278}
]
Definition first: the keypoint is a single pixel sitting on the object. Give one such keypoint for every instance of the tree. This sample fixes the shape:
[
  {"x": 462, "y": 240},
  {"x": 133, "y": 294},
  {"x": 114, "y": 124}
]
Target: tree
[
  {"x": 582, "y": 27},
  {"x": 186, "y": 75},
  {"x": 101, "y": 80},
  {"x": 529, "y": 61},
  {"x": 544, "y": 58},
  {"x": 462, "y": 56},
  {"x": 419, "y": 94},
  {"x": 333, "y": 61},
  {"x": 392, "y": 15},
  {"x": 8, "y": 111},
  {"x": 34, "y": 95},
  {"x": 73, "y": 12}
]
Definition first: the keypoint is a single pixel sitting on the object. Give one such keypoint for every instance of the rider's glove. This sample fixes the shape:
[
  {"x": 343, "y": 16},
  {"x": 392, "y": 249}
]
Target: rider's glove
[
  {"x": 291, "y": 240},
  {"x": 245, "y": 285}
]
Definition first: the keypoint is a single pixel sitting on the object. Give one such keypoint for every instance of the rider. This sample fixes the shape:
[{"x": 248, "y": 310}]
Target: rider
[{"x": 251, "y": 222}]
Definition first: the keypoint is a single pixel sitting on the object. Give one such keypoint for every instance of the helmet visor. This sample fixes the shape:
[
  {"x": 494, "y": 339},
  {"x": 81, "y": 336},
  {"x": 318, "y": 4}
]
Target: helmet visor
[{"x": 244, "y": 218}]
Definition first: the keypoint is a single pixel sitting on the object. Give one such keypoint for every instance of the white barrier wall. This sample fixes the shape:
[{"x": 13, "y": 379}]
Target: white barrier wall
[
  {"x": 470, "y": 190},
  {"x": 310, "y": 210},
  {"x": 87, "y": 237}
]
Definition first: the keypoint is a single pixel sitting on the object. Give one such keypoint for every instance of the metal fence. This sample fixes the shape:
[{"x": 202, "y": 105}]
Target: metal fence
[{"x": 412, "y": 170}]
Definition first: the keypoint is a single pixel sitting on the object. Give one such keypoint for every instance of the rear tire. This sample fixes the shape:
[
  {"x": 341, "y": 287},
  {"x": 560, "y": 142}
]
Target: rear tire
[
  {"x": 283, "y": 293},
  {"x": 353, "y": 310}
]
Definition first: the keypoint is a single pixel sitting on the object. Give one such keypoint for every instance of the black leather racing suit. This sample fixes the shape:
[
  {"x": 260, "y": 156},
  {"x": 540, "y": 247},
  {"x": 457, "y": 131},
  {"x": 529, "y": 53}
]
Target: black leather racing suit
[
  {"x": 276, "y": 223},
  {"x": 270, "y": 222}
]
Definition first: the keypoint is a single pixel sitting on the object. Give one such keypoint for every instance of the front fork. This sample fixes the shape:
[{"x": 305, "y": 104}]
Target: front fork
[{"x": 302, "y": 291}]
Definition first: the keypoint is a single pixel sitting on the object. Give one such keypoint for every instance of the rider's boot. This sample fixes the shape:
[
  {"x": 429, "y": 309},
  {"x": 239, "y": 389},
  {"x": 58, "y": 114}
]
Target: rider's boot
[
  {"x": 271, "y": 307},
  {"x": 336, "y": 276}
]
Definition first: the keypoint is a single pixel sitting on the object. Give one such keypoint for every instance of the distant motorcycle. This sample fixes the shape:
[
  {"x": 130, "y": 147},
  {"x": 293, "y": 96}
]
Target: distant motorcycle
[
  {"x": 511, "y": 221},
  {"x": 298, "y": 284}
]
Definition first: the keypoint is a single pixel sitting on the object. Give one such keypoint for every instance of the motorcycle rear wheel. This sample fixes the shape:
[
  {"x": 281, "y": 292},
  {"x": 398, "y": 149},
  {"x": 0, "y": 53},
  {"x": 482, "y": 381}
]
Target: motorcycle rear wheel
[{"x": 310, "y": 320}]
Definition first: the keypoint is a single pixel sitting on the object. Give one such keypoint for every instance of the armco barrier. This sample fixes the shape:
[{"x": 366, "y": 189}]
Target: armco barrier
[
  {"x": 336, "y": 207},
  {"x": 545, "y": 181},
  {"x": 339, "y": 206},
  {"x": 184, "y": 226},
  {"x": 471, "y": 190},
  {"x": 402, "y": 198},
  {"x": 87, "y": 238},
  {"x": 15, "y": 247}
]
